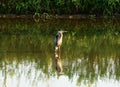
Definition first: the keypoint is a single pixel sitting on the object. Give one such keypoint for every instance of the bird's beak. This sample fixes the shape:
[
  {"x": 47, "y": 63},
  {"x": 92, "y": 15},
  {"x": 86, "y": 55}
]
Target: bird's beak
[
  {"x": 62, "y": 31},
  {"x": 65, "y": 31}
]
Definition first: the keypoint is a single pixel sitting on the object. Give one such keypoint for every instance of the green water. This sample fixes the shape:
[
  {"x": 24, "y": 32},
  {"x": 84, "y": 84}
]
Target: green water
[{"x": 90, "y": 53}]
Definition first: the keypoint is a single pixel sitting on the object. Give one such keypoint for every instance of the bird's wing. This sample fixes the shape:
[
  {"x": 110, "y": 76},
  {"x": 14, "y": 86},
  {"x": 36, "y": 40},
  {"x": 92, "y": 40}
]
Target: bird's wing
[{"x": 56, "y": 40}]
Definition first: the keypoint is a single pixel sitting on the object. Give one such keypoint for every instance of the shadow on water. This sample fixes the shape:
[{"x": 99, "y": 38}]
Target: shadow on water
[{"x": 90, "y": 53}]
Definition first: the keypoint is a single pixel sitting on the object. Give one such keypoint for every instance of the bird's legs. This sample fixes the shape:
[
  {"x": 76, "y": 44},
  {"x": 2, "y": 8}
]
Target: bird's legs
[{"x": 57, "y": 50}]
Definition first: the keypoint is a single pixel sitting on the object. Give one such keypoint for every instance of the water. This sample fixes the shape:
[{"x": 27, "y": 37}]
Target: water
[{"x": 90, "y": 53}]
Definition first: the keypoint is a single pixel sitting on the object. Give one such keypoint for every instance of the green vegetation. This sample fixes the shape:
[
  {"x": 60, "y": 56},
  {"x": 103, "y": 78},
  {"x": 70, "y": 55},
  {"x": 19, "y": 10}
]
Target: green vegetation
[{"x": 97, "y": 7}]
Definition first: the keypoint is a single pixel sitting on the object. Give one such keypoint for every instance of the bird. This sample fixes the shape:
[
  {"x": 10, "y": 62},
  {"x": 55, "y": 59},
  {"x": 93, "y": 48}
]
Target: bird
[{"x": 58, "y": 40}]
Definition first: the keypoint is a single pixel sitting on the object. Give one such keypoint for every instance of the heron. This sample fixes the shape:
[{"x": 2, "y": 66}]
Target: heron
[{"x": 58, "y": 40}]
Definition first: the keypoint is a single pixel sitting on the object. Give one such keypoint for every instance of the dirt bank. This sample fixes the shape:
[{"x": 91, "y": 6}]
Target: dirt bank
[{"x": 47, "y": 16}]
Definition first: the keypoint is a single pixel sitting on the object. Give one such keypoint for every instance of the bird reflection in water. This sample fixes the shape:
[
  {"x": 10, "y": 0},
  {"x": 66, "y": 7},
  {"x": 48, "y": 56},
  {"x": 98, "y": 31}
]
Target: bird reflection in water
[
  {"x": 57, "y": 45},
  {"x": 58, "y": 64}
]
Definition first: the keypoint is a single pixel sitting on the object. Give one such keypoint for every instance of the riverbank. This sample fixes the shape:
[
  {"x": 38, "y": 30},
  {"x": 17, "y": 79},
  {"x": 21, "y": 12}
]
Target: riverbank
[{"x": 49, "y": 16}]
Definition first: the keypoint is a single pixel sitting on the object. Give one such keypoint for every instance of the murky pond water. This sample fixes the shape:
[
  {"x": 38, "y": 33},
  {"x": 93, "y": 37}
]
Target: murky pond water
[{"x": 90, "y": 53}]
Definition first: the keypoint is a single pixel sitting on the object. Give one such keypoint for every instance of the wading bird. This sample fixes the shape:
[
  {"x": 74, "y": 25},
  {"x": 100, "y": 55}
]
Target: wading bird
[
  {"x": 58, "y": 40},
  {"x": 57, "y": 44}
]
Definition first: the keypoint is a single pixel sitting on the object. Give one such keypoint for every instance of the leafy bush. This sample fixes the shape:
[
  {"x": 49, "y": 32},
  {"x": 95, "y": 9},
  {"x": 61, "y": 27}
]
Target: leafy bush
[{"x": 102, "y": 7}]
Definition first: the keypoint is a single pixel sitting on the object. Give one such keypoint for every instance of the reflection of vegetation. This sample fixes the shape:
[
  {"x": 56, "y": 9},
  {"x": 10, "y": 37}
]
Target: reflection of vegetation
[
  {"x": 93, "y": 56},
  {"x": 24, "y": 26},
  {"x": 29, "y": 65},
  {"x": 90, "y": 50}
]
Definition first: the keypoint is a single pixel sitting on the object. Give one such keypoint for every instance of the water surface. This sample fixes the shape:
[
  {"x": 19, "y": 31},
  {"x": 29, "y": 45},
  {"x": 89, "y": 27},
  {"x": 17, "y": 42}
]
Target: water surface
[{"x": 90, "y": 53}]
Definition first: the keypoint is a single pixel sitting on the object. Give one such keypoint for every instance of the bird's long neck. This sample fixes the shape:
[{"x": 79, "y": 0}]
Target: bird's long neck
[{"x": 60, "y": 35}]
